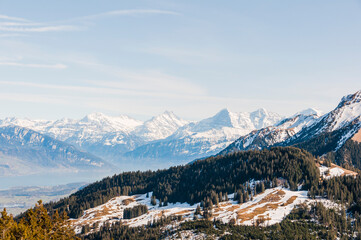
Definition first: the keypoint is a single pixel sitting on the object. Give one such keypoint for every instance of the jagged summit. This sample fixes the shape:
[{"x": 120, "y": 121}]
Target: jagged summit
[
  {"x": 350, "y": 99},
  {"x": 260, "y": 112},
  {"x": 165, "y": 116},
  {"x": 94, "y": 115},
  {"x": 221, "y": 119},
  {"x": 346, "y": 112}
]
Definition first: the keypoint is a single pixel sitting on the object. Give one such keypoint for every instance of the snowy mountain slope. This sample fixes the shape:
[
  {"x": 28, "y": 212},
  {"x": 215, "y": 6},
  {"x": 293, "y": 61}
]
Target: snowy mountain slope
[
  {"x": 316, "y": 134},
  {"x": 266, "y": 208},
  {"x": 24, "y": 151},
  {"x": 206, "y": 137},
  {"x": 275, "y": 203},
  {"x": 276, "y": 134},
  {"x": 346, "y": 117}
]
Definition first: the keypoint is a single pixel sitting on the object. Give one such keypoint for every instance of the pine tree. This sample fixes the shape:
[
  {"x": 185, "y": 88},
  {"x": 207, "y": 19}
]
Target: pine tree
[
  {"x": 198, "y": 210},
  {"x": 153, "y": 200}
]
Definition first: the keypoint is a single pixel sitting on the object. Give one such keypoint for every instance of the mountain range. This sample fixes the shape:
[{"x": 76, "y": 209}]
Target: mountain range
[
  {"x": 98, "y": 141},
  {"x": 126, "y": 142}
]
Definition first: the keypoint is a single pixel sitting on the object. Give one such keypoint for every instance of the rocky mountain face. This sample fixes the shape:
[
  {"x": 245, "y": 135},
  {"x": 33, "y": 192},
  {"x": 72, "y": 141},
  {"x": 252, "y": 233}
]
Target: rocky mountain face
[{"x": 317, "y": 134}]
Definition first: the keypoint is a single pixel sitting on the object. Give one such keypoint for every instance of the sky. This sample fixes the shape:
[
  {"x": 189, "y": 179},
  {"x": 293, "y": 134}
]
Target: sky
[{"x": 71, "y": 58}]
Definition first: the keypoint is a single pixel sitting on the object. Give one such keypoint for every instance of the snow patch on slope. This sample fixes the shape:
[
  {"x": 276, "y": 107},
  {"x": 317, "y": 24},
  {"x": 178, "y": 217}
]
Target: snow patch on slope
[
  {"x": 334, "y": 171},
  {"x": 271, "y": 207}
]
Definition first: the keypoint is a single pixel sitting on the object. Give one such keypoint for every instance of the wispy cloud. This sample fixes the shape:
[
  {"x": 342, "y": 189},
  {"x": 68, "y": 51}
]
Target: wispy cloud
[
  {"x": 39, "y": 29},
  {"x": 129, "y": 12},
  {"x": 145, "y": 80},
  {"x": 32, "y": 65},
  {"x": 184, "y": 55},
  {"x": 13, "y": 18},
  {"x": 16, "y": 24},
  {"x": 9, "y": 35}
]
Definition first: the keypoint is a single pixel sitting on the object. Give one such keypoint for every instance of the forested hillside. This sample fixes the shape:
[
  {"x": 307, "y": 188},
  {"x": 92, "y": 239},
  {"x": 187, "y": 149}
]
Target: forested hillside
[
  {"x": 210, "y": 182},
  {"x": 204, "y": 180}
]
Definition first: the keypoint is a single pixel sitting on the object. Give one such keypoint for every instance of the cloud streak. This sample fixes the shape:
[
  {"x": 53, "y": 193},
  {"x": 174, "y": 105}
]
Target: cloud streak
[
  {"x": 16, "y": 24},
  {"x": 128, "y": 12},
  {"x": 5, "y": 17},
  {"x": 9, "y": 35},
  {"x": 150, "y": 80},
  {"x": 32, "y": 65},
  {"x": 39, "y": 29}
]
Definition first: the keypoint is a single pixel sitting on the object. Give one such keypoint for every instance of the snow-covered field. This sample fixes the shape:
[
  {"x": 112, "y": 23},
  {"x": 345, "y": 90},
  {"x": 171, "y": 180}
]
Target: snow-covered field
[
  {"x": 335, "y": 171},
  {"x": 267, "y": 208}
]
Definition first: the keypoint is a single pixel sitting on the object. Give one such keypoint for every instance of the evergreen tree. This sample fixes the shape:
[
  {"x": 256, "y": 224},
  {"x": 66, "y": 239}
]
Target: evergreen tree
[{"x": 153, "y": 201}]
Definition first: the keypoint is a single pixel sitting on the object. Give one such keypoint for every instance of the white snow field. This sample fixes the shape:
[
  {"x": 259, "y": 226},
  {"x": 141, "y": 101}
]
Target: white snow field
[{"x": 267, "y": 208}]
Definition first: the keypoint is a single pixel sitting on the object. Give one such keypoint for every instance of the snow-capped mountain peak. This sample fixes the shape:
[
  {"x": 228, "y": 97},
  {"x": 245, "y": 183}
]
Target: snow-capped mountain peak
[
  {"x": 160, "y": 127},
  {"x": 347, "y": 111},
  {"x": 94, "y": 116},
  {"x": 309, "y": 112},
  {"x": 221, "y": 119},
  {"x": 262, "y": 118},
  {"x": 118, "y": 123}
]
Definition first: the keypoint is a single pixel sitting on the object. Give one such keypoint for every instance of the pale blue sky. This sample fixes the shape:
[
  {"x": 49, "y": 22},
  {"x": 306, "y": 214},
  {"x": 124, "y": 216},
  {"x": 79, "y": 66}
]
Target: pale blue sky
[{"x": 69, "y": 58}]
